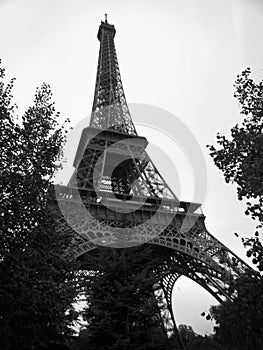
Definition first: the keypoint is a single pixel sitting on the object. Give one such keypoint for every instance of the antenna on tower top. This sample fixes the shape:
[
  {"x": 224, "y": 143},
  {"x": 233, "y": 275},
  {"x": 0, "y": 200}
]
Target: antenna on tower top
[{"x": 106, "y": 20}]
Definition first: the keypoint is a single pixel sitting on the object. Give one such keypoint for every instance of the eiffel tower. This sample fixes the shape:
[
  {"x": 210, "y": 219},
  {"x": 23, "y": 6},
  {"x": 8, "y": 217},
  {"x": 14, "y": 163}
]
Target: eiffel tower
[{"x": 116, "y": 197}]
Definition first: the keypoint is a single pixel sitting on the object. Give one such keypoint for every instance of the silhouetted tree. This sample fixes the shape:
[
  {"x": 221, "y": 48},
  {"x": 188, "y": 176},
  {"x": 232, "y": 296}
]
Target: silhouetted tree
[
  {"x": 37, "y": 280},
  {"x": 186, "y": 333},
  {"x": 240, "y": 322},
  {"x": 203, "y": 343},
  {"x": 123, "y": 311},
  {"x": 193, "y": 341}
]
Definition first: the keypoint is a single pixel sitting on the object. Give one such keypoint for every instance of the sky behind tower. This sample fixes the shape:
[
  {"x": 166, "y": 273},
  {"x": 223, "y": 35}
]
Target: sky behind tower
[{"x": 182, "y": 56}]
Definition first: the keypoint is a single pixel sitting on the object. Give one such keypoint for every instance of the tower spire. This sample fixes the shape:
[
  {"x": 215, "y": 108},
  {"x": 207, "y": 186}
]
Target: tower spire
[{"x": 110, "y": 109}]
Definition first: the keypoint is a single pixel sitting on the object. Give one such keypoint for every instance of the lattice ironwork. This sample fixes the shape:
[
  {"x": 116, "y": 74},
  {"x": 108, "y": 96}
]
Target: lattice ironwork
[
  {"x": 113, "y": 161},
  {"x": 110, "y": 109},
  {"x": 129, "y": 202}
]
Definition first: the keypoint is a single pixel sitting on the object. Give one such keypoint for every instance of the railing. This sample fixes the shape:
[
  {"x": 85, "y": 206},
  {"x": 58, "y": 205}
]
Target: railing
[{"x": 146, "y": 203}]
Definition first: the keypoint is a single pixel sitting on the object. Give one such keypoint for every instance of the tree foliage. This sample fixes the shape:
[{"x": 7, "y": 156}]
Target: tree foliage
[
  {"x": 193, "y": 341},
  {"x": 240, "y": 158},
  {"x": 186, "y": 333},
  {"x": 122, "y": 303},
  {"x": 37, "y": 281},
  {"x": 239, "y": 322}
]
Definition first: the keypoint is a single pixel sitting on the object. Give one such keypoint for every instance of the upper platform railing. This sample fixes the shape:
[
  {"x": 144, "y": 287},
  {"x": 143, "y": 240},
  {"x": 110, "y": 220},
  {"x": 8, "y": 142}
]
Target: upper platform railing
[{"x": 93, "y": 197}]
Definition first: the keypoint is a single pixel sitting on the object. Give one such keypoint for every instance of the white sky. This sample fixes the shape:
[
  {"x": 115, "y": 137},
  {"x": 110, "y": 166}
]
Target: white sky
[{"x": 182, "y": 56}]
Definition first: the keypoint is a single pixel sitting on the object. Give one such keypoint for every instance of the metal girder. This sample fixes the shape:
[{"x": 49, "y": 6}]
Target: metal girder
[
  {"x": 101, "y": 152},
  {"x": 117, "y": 195},
  {"x": 103, "y": 226}
]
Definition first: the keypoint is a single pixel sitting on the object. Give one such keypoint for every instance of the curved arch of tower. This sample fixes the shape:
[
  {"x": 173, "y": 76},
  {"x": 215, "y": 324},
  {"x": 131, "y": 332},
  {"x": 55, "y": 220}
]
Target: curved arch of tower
[{"x": 116, "y": 196}]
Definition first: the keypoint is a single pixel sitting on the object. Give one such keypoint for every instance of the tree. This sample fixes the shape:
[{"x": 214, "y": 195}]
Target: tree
[
  {"x": 186, "y": 333},
  {"x": 200, "y": 342},
  {"x": 239, "y": 322},
  {"x": 37, "y": 280},
  {"x": 123, "y": 311},
  {"x": 192, "y": 341},
  {"x": 241, "y": 160}
]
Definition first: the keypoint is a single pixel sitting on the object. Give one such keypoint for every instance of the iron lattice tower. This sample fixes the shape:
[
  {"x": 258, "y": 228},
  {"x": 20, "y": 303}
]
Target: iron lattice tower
[{"x": 127, "y": 200}]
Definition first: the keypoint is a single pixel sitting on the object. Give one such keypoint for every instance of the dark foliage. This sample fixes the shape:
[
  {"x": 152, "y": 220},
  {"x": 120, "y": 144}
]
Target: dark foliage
[
  {"x": 240, "y": 322},
  {"x": 192, "y": 341},
  {"x": 123, "y": 308},
  {"x": 37, "y": 281}
]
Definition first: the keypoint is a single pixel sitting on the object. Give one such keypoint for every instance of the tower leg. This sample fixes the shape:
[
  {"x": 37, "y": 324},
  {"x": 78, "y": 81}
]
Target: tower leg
[{"x": 166, "y": 285}]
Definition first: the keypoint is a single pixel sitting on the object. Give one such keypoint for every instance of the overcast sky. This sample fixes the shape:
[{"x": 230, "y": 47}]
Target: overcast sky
[{"x": 180, "y": 55}]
